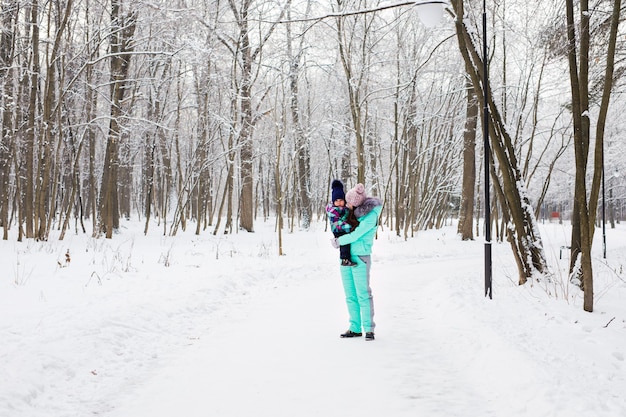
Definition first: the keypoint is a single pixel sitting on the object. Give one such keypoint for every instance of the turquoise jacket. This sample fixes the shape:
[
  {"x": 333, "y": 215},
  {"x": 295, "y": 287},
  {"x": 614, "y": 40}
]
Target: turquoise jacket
[{"x": 362, "y": 237}]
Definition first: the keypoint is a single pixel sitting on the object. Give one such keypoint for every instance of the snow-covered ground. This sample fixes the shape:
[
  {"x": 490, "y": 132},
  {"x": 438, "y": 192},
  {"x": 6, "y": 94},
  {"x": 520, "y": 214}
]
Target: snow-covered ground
[{"x": 222, "y": 326}]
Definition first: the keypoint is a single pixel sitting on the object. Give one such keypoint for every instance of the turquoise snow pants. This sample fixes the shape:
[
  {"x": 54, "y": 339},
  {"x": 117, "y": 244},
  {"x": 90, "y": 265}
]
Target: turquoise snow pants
[{"x": 356, "y": 285}]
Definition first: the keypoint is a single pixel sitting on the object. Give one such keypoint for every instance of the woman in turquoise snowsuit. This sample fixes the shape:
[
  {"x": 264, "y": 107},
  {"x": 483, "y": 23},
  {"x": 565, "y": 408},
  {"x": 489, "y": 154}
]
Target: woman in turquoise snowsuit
[{"x": 356, "y": 279}]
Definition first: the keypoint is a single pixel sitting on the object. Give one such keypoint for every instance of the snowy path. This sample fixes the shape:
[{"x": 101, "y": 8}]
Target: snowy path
[
  {"x": 281, "y": 350},
  {"x": 271, "y": 358}
]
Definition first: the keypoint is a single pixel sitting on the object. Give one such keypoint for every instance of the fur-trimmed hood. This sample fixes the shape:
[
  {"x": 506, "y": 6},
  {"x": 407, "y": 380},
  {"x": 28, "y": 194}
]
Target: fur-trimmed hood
[{"x": 368, "y": 205}]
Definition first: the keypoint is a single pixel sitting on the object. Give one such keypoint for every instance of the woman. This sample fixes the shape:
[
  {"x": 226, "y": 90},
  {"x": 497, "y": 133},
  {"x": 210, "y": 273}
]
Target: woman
[{"x": 356, "y": 279}]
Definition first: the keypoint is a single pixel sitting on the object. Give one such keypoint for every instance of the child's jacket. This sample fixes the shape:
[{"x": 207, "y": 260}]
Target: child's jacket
[{"x": 338, "y": 217}]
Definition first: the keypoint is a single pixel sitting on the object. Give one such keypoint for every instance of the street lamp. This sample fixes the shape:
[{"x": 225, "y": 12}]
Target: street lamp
[{"x": 430, "y": 13}]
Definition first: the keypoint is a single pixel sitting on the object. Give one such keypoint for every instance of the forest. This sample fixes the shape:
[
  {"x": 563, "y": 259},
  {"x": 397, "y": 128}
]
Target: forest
[{"x": 219, "y": 114}]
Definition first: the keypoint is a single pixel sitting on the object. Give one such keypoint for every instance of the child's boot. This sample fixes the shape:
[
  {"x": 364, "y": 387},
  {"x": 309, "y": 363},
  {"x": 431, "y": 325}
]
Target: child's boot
[{"x": 347, "y": 262}]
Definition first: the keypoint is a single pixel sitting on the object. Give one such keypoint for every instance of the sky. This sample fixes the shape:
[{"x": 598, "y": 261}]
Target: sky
[{"x": 223, "y": 326}]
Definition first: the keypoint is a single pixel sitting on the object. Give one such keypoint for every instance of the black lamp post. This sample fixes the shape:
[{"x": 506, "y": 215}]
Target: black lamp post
[{"x": 488, "y": 286}]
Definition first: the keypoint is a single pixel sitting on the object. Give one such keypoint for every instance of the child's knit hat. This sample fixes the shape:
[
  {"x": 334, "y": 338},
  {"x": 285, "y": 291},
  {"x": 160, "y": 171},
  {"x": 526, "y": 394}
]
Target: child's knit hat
[
  {"x": 356, "y": 195},
  {"x": 337, "y": 193}
]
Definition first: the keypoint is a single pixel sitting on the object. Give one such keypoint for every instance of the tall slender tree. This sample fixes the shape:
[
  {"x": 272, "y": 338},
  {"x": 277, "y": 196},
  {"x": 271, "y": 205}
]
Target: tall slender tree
[
  {"x": 583, "y": 218},
  {"x": 121, "y": 45}
]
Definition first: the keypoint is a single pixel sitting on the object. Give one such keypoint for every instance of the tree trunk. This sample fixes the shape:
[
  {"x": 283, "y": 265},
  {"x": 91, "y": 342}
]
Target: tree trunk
[
  {"x": 121, "y": 46},
  {"x": 302, "y": 144},
  {"x": 279, "y": 193},
  {"x": 9, "y": 19},
  {"x": 75, "y": 185},
  {"x": 466, "y": 214},
  {"x": 29, "y": 153},
  {"x": 245, "y": 139},
  {"x": 352, "y": 85},
  {"x": 149, "y": 179},
  {"x": 603, "y": 113}
]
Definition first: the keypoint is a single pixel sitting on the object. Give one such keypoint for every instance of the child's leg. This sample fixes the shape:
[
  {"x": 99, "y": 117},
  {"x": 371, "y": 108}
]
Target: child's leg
[
  {"x": 342, "y": 247},
  {"x": 344, "y": 252}
]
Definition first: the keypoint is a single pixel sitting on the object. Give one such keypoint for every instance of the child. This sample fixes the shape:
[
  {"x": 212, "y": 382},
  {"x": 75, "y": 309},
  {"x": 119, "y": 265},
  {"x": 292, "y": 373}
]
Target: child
[{"x": 342, "y": 220}]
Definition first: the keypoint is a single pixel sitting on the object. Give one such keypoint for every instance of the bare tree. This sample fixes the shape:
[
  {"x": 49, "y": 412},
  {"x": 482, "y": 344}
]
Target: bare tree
[
  {"x": 246, "y": 55},
  {"x": 123, "y": 29},
  {"x": 31, "y": 133},
  {"x": 584, "y": 210}
]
